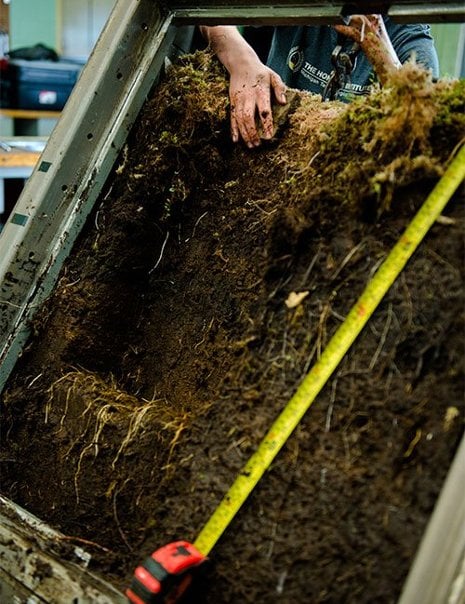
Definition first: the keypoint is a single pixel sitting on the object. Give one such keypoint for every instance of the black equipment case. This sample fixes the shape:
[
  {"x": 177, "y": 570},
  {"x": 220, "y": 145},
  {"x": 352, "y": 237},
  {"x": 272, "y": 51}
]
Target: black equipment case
[{"x": 38, "y": 84}]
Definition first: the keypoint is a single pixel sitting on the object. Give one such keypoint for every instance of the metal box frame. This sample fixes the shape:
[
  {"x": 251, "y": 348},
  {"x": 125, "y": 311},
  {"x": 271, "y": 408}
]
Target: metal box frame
[{"x": 65, "y": 185}]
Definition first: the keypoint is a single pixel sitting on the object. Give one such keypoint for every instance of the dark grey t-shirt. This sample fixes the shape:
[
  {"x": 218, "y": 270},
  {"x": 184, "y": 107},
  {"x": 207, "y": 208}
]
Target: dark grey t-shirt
[{"x": 302, "y": 56}]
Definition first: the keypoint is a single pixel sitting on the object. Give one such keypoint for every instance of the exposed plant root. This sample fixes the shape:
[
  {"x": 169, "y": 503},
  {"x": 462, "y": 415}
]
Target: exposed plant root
[
  {"x": 91, "y": 406},
  {"x": 86, "y": 542},
  {"x": 116, "y": 517}
]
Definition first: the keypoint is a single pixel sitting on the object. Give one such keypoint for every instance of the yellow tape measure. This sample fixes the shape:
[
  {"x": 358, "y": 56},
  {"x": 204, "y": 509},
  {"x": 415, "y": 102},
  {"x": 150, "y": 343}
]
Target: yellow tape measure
[{"x": 332, "y": 355}]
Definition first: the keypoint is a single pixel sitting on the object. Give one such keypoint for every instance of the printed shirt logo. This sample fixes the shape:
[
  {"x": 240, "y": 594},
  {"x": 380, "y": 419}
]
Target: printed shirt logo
[
  {"x": 318, "y": 77},
  {"x": 295, "y": 59}
]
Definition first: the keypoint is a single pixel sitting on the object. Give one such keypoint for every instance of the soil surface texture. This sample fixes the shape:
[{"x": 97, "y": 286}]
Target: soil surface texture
[{"x": 203, "y": 288}]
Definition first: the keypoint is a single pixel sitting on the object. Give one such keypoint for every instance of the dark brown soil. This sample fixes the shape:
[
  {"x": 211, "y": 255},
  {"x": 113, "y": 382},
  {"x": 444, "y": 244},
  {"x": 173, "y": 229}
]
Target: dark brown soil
[{"x": 167, "y": 348}]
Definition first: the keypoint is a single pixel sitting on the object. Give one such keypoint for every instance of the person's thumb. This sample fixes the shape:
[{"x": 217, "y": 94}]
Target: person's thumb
[{"x": 279, "y": 88}]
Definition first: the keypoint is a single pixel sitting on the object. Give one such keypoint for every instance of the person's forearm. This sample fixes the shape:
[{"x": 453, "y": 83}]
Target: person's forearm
[
  {"x": 252, "y": 85},
  {"x": 229, "y": 45}
]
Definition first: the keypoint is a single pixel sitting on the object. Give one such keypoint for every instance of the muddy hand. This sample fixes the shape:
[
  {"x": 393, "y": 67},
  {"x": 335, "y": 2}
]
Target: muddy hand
[
  {"x": 251, "y": 95},
  {"x": 252, "y": 87},
  {"x": 370, "y": 33}
]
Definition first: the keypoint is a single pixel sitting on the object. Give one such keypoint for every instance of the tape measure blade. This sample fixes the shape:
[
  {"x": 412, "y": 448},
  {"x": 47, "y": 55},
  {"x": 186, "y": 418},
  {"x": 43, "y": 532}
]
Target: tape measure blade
[{"x": 332, "y": 355}]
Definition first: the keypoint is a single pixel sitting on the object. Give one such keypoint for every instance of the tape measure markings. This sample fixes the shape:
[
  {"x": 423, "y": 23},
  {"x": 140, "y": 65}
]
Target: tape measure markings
[{"x": 335, "y": 350}]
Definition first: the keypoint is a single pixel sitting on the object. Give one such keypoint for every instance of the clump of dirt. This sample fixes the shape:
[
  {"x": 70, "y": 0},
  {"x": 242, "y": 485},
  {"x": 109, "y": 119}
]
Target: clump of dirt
[{"x": 205, "y": 285}]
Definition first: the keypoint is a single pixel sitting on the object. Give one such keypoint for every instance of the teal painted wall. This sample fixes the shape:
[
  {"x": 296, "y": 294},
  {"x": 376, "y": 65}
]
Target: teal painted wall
[
  {"x": 30, "y": 25},
  {"x": 449, "y": 41}
]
